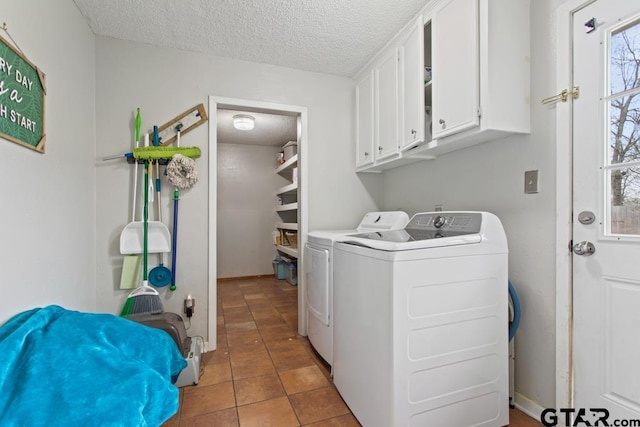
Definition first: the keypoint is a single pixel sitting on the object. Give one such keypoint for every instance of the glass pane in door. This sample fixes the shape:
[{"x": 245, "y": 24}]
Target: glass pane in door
[
  {"x": 623, "y": 116},
  {"x": 623, "y": 64},
  {"x": 625, "y": 200}
]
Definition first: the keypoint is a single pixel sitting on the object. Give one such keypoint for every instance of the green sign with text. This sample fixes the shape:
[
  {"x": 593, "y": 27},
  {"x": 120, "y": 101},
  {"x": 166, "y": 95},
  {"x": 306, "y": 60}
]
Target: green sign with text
[{"x": 22, "y": 99}]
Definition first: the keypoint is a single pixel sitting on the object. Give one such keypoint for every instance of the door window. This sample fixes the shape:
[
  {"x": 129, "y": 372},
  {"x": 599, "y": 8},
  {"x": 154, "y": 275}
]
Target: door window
[{"x": 623, "y": 111}]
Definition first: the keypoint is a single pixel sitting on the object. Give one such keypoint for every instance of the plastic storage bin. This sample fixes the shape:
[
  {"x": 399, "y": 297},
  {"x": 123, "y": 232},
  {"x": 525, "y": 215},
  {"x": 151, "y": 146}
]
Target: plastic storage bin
[
  {"x": 279, "y": 269},
  {"x": 292, "y": 273},
  {"x": 290, "y": 149}
]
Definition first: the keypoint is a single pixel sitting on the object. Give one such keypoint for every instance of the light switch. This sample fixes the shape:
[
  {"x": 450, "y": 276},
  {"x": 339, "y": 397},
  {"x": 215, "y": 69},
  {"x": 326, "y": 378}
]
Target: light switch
[{"x": 531, "y": 182}]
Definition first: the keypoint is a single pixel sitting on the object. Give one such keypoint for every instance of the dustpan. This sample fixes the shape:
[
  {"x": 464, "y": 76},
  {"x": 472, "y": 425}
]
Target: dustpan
[{"x": 132, "y": 238}]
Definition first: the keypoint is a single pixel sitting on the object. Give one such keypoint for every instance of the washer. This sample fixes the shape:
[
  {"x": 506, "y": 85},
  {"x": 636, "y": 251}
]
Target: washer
[
  {"x": 421, "y": 322},
  {"x": 319, "y": 275}
]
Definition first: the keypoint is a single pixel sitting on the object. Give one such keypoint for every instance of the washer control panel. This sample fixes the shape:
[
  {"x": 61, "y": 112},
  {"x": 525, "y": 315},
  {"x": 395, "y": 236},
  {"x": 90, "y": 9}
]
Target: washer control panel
[
  {"x": 454, "y": 222},
  {"x": 431, "y": 225}
]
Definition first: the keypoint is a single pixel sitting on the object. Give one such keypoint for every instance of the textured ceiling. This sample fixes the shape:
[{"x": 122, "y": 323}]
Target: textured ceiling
[{"x": 326, "y": 36}]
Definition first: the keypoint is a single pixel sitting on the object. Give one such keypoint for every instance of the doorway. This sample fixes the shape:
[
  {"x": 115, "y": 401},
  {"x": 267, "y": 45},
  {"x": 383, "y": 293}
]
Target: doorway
[{"x": 232, "y": 106}]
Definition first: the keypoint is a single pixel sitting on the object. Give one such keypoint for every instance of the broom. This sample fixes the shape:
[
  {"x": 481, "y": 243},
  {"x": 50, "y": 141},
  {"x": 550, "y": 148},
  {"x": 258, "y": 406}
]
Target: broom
[{"x": 144, "y": 299}]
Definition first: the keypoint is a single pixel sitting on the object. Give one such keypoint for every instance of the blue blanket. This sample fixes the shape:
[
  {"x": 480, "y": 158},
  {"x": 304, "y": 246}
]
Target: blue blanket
[{"x": 61, "y": 367}]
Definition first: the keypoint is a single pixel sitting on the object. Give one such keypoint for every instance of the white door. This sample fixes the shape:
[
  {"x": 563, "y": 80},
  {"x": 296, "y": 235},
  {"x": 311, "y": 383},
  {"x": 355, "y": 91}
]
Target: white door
[{"x": 606, "y": 186}]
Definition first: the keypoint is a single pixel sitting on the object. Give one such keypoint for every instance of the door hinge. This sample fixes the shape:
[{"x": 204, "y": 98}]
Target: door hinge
[
  {"x": 479, "y": 112},
  {"x": 571, "y": 246}
]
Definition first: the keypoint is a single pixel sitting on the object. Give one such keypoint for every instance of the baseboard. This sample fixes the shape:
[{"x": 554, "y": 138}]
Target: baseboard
[
  {"x": 528, "y": 406},
  {"x": 229, "y": 279}
]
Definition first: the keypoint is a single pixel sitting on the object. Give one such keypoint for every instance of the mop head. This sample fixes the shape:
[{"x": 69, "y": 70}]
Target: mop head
[
  {"x": 181, "y": 172},
  {"x": 159, "y": 153}
]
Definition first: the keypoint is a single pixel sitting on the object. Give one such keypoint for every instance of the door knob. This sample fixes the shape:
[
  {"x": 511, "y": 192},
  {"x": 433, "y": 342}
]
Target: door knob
[{"x": 584, "y": 248}]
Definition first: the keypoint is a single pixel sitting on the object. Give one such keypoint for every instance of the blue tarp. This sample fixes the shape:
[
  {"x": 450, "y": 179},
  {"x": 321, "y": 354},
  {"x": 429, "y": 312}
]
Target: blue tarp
[{"x": 62, "y": 367}]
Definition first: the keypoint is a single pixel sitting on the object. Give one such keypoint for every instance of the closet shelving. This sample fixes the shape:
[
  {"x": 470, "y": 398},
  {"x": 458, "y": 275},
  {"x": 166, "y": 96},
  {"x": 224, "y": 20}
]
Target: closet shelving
[
  {"x": 288, "y": 190},
  {"x": 288, "y": 165},
  {"x": 288, "y": 207},
  {"x": 288, "y": 210}
]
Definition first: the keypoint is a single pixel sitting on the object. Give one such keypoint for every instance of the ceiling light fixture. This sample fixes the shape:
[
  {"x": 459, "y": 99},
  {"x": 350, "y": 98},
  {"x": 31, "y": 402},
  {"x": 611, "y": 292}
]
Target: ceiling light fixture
[{"x": 243, "y": 122}]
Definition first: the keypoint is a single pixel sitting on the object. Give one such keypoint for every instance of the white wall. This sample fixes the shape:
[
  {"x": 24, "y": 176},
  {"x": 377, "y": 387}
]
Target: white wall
[
  {"x": 491, "y": 177},
  {"x": 246, "y": 215},
  {"x": 165, "y": 82},
  {"x": 48, "y": 208}
]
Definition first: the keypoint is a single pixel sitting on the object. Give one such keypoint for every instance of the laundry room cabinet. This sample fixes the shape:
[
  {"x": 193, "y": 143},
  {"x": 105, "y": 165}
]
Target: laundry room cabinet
[
  {"x": 456, "y": 90},
  {"x": 390, "y": 104},
  {"x": 287, "y": 208},
  {"x": 481, "y": 81},
  {"x": 377, "y": 111},
  {"x": 412, "y": 96},
  {"x": 463, "y": 77},
  {"x": 364, "y": 120},
  {"x": 386, "y": 117}
]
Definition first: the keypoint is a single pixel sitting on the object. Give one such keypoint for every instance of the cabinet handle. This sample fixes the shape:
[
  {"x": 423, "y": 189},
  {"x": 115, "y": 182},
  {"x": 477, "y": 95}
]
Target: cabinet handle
[
  {"x": 380, "y": 148},
  {"x": 413, "y": 132},
  {"x": 366, "y": 154},
  {"x": 443, "y": 123}
]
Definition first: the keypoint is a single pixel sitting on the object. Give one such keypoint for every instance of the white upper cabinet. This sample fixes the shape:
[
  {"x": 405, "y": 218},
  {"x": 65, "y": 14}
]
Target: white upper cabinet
[
  {"x": 481, "y": 72},
  {"x": 476, "y": 89},
  {"x": 364, "y": 118},
  {"x": 456, "y": 76},
  {"x": 412, "y": 94},
  {"x": 386, "y": 117}
]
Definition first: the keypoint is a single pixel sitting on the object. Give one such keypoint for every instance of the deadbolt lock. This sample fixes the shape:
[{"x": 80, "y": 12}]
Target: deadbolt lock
[{"x": 586, "y": 217}]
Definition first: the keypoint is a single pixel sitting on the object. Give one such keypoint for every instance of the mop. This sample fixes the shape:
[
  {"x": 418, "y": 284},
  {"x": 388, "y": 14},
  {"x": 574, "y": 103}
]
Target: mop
[{"x": 182, "y": 173}]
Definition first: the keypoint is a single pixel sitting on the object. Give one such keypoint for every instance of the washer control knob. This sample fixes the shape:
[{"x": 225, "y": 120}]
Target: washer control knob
[{"x": 439, "y": 221}]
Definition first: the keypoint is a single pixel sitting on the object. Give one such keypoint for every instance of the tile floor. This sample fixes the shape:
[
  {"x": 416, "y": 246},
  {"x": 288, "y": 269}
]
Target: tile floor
[{"x": 263, "y": 373}]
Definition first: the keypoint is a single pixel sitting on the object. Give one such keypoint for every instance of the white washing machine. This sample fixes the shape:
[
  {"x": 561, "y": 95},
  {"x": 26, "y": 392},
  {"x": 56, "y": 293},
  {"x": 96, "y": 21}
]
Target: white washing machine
[
  {"x": 319, "y": 275},
  {"x": 421, "y": 322}
]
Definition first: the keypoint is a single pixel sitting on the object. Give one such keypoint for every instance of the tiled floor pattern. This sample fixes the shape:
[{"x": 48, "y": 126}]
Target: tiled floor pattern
[{"x": 263, "y": 373}]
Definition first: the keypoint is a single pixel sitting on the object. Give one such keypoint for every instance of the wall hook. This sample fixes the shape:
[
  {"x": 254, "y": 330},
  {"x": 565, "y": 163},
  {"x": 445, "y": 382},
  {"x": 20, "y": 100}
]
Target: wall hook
[{"x": 591, "y": 25}]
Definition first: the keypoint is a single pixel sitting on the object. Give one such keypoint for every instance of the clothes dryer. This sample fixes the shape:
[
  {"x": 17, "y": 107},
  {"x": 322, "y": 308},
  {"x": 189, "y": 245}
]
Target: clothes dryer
[{"x": 319, "y": 275}]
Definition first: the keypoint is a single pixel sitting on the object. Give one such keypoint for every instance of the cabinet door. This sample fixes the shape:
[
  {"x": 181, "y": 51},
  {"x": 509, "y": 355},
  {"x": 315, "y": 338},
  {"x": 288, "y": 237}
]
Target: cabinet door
[
  {"x": 364, "y": 117},
  {"x": 412, "y": 84},
  {"x": 456, "y": 74},
  {"x": 386, "y": 136}
]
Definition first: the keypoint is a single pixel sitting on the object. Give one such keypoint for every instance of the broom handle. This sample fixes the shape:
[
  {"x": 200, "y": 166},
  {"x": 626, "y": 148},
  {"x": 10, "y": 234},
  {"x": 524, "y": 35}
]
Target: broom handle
[{"x": 145, "y": 277}]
